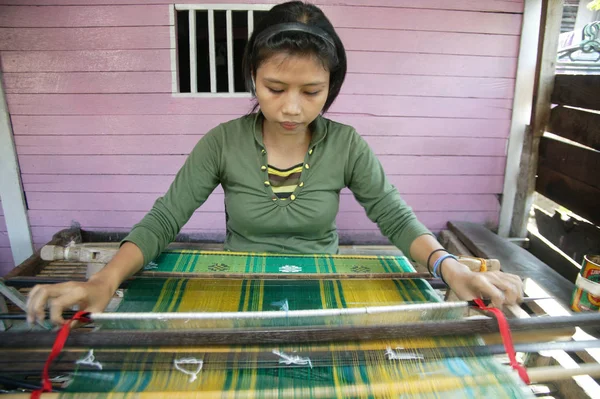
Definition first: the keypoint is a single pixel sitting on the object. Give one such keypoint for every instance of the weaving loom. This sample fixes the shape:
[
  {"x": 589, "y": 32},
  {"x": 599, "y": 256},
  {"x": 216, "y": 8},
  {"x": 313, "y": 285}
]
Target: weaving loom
[{"x": 263, "y": 364}]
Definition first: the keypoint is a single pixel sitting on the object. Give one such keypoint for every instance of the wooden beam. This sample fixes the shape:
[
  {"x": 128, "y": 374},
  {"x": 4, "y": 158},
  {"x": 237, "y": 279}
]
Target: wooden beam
[
  {"x": 11, "y": 189},
  {"x": 521, "y": 109},
  {"x": 576, "y": 125},
  {"x": 513, "y": 259},
  {"x": 282, "y": 335},
  {"x": 574, "y": 237},
  {"x": 34, "y": 263},
  {"x": 552, "y": 11},
  {"x": 30, "y": 281},
  {"x": 451, "y": 242},
  {"x": 578, "y": 197},
  {"x": 33, "y": 361},
  {"x": 548, "y": 253},
  {"x": 4, "y": 324},
  {"x": 579, "y": 91},
  {"x": 578, "y": 163}
]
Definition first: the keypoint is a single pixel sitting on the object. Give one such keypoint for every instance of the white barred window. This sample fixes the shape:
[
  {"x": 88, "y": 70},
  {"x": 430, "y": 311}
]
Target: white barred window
[{"x": 209, "y": 46}]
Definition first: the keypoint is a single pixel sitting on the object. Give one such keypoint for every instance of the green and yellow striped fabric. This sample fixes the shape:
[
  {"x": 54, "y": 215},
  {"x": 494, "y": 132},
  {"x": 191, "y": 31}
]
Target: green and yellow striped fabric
[
  {"x": 365, "y": 369},
  {"x": 222, "y": 262}
]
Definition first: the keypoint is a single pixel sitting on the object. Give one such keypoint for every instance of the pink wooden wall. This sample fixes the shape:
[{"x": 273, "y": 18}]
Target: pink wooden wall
[{"x": 99, "y": 136}]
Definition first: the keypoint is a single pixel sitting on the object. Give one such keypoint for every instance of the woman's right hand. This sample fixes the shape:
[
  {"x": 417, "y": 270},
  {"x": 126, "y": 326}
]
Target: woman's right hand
[{"x": 91, "y": 296}]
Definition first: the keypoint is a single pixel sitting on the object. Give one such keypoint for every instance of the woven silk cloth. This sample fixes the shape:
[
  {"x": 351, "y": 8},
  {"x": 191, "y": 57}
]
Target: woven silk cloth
[
  {"x": 391, "y": 368},
  {"x": 239, "y": 262}
]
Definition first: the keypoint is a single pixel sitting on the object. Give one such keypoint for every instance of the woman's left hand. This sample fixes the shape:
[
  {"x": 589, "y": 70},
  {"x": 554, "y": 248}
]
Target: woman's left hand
[{"x": 501, "y": 288}]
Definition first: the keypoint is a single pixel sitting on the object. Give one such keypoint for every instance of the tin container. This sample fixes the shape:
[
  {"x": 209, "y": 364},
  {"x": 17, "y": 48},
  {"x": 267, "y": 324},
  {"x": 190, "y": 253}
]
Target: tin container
[{"x": 586, "y": 296}]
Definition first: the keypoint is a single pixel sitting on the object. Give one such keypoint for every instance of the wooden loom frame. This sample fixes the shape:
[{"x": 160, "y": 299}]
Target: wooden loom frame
[{"x": 26, "y": 274}]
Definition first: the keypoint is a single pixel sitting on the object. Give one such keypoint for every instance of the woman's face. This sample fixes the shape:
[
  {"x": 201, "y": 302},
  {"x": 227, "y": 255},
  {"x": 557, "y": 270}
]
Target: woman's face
[{"x": 291, "y": 91}]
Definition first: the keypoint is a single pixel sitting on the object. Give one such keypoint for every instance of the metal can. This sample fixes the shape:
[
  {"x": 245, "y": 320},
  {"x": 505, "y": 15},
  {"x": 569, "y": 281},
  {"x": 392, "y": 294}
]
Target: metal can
[{"x": 586, "y": 296}]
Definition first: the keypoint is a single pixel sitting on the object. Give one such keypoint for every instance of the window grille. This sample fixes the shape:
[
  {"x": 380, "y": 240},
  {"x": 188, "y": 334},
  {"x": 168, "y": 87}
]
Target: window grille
[{"x": 208, "y": 45}]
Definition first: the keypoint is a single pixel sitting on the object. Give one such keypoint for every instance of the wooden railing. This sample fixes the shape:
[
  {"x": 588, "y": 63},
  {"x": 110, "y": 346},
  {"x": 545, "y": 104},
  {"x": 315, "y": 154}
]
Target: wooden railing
[{"x": 569, "y": 157}]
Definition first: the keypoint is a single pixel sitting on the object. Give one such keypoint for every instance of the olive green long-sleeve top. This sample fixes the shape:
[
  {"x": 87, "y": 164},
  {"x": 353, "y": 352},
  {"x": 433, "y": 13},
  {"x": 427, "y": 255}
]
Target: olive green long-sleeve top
[{"x": 233, "y": 155}]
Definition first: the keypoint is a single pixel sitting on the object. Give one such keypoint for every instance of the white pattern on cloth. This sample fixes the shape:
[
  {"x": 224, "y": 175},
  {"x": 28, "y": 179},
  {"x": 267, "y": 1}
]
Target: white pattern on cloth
[
  {"x": 290, "y": 269},
  {"x": 189, "y": 360},
  {"x": 151, "y": 266}
]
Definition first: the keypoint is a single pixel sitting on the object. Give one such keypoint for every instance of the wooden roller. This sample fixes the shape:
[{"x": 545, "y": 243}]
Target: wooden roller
[
  {"x": 99, "y": 254},
  {"x": 78, "y": 253},
  {"x": 96, "y": 256}
]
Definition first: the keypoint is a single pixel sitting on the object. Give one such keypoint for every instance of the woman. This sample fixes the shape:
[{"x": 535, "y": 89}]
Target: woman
[{"x": 282, "y": 170}]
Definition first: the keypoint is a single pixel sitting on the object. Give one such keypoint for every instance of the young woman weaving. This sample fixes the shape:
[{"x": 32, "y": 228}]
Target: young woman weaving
[{"x": 282, "y": 169}]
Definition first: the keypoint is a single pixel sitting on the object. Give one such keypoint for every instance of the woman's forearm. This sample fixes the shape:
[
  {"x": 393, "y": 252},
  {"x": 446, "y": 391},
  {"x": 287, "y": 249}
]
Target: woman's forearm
[
  {"x": 423, "y": 246},
  {"x": 126, "y": 262}
]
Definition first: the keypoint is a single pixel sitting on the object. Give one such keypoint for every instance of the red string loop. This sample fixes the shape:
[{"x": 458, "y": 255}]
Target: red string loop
[
  {"x": 506, "y": 339},
  {"x": 59, "y": 343}
]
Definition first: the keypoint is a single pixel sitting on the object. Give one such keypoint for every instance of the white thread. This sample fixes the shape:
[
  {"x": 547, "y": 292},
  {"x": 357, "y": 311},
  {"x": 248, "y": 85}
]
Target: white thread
[
  {"x": 394, "y": 355},
  {"x": 89, "y": 360},
  {"x": 151, "y": 266},
  {"x": 292, "y": 359},
  {"x": 189, "y": 360},
  {"x": 119, "y": 293},
  {"x": 60, "y": 378},
  {"x": 290, "y": 269},
  {"x": 282, "y": 305}
]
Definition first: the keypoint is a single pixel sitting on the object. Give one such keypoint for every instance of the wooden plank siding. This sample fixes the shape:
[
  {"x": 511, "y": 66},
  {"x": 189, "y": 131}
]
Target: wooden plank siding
[
  {"x": 577, "y": 162},
  {"x": 576, "y": 125},
  {"x": 509, "y": 6},
  {"x": 579, "y": 91},
  {"x": 99, "y": 136},
  {"x": 569, "y": 158},
  {"x": 158, "y": 82},
  {"x": 104, "y": 61},
  {"x": 578, "y": 197}
]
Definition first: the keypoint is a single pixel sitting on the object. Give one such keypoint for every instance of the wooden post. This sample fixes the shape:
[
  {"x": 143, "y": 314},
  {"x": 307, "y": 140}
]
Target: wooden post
[
  {"x": 11, "y": 189},
  {"x": 549, "y": 33},
  {"x": 521, "y": 110},
  {"x": 4, "y": 324}
]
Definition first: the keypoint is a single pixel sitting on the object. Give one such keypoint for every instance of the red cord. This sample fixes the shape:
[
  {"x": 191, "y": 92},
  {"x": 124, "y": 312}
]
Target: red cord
[
  {"x": 59, "y": 343},
  {"x": 506, "y": 339}
]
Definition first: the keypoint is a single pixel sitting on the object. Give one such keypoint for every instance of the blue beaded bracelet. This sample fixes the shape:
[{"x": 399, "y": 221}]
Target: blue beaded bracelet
[{"x": 439, "y": 261}]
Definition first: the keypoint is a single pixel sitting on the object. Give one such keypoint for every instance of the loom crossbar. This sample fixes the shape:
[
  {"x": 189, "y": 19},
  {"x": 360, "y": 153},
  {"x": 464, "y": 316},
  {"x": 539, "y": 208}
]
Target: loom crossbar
[
  {"x": 285, "y": 335},
  {"x": 12, "y": 362}
]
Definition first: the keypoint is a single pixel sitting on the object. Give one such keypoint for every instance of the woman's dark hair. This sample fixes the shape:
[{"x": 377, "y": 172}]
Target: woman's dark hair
[{"x": 297, "y": 28}]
